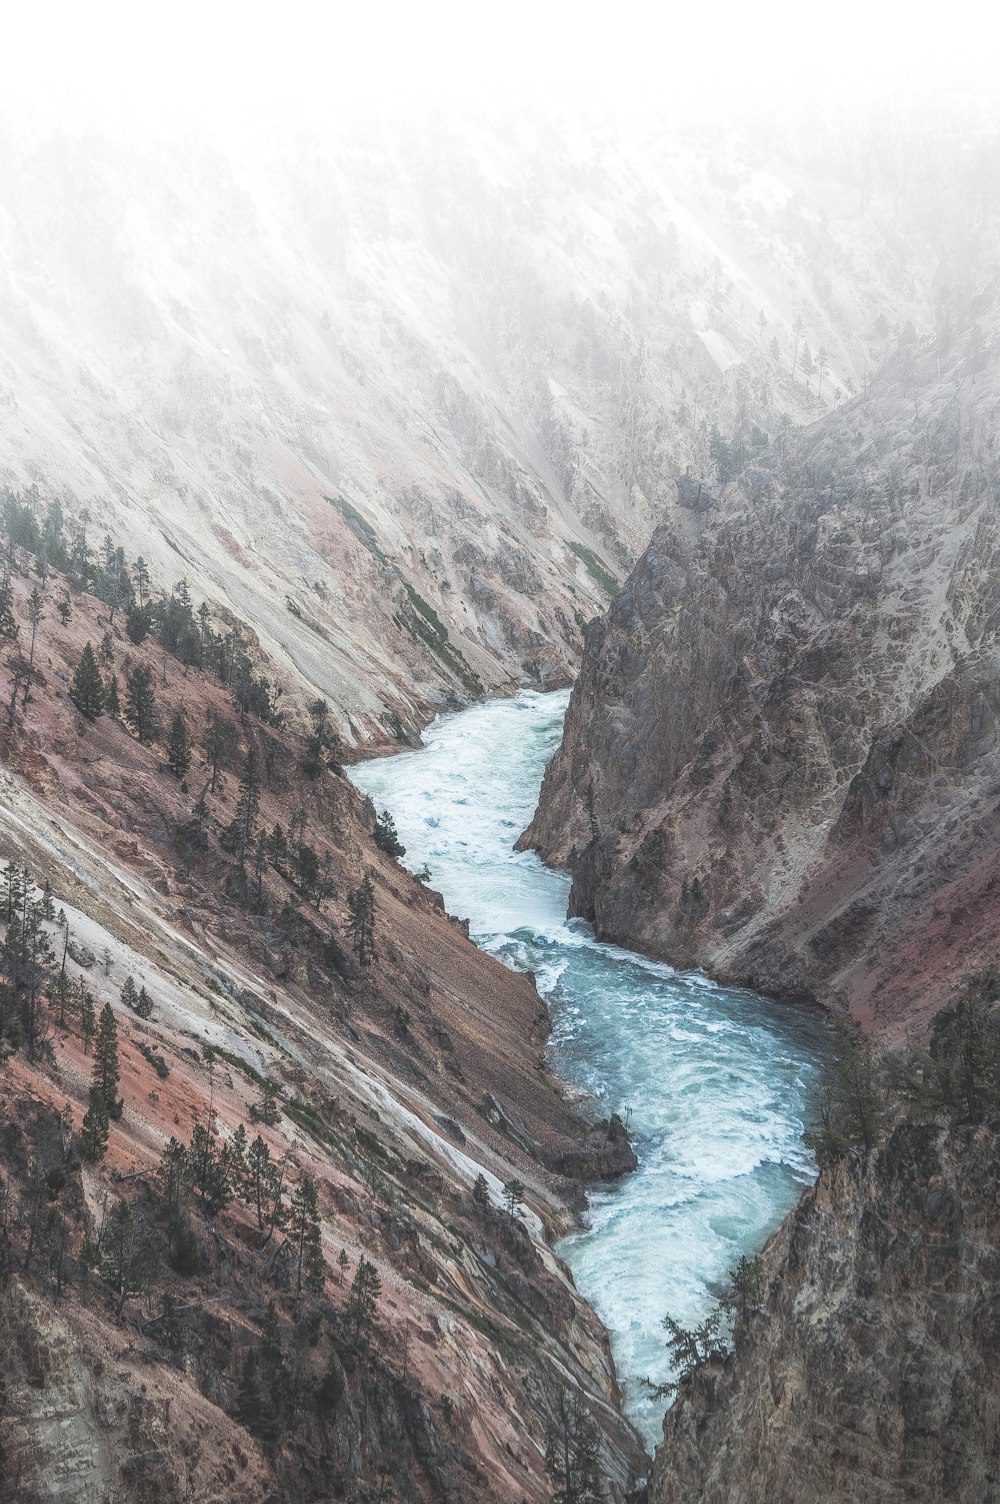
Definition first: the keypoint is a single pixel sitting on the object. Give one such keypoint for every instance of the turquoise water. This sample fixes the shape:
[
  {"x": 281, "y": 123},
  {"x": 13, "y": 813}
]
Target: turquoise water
[{"x": 718, "y": 1081}]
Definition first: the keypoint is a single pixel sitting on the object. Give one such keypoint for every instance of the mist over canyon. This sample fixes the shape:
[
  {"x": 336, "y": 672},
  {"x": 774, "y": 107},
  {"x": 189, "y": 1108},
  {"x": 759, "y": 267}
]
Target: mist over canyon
[{"x": 499, "y": 845}]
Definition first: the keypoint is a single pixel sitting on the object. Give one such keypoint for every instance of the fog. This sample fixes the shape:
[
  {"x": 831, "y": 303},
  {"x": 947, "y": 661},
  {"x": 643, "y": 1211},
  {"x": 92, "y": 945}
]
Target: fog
[{"x": 239, "y": 67}]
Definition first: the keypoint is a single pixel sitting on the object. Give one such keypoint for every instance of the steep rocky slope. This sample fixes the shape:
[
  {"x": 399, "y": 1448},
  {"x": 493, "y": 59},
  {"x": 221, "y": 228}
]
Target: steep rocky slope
[
  {"x": 780, "y": 759},
  {"x": 417, "y": 400},
  {"x": 869, "y": 1371},
  {"x": 398, "y": 1083}
]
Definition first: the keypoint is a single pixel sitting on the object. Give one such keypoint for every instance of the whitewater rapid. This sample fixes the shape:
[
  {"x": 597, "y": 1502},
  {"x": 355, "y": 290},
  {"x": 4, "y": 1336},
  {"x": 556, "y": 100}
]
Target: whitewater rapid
[{"x": 716, "y": 1083}]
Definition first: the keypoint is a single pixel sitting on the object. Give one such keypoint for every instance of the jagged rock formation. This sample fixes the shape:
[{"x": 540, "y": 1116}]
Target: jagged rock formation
[
  {"x": 780, "y": 760},
  {"x": 869, "y": 1373},
  {"x": 415, "y": 402}
]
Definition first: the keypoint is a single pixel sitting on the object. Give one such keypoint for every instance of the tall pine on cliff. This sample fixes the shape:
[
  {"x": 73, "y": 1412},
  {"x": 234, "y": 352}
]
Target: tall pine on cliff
[
  {"x": 87, "y": 688},
  {"x": 140, "y": 703}
]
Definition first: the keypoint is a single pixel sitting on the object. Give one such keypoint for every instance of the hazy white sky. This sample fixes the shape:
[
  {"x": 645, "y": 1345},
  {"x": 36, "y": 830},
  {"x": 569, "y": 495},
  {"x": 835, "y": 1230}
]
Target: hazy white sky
[{"x": 228, "y": 61}]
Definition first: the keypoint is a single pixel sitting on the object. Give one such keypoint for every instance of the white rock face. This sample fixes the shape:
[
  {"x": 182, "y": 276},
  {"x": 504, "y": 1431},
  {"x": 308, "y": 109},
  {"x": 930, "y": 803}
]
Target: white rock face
[{"x": 400, "y": 402}]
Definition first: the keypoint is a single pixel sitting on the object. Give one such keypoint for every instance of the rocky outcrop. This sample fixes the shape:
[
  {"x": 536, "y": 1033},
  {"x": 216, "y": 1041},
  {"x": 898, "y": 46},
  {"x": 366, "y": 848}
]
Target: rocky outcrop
[
  {"x": 780, "y": 760},
  {"x": 869, "y": 1372}
]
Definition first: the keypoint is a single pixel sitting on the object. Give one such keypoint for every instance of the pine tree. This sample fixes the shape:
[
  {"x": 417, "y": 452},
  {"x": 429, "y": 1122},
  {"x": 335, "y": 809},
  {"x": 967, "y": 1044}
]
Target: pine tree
[
  {"x": 513, "y": 1197},
  {"x": 35, "y": 613},
  {"x": 307, "y": 1237},
  {"x": 129, "y": 995},
  {"x": 244, "y": 822},
  {"x": 95, "y": 1129},
  {"x": 107, "y": 649},
  {"x": 8, "y": 622},
  {"x": 173, "y": 1182},
  {"x": 128, "y": 1260},
  {"x": 87, "y": 688},
  {"x": 112, "y": 702},
  {"x": 140, "y": 574},
  {"x": 179, "y": 746},
  {"x": 212, "y": 1169},
  {"x": 481, "y": 1191},
  {"x": 261, "y": 1185},
  {"x": 144, "y": 1004},
  {"x": 266, "y": 1108},
  {"x": 105, "y": 1078},
  {"x": 361, "y": 906},
  {"x": 572, "y": 1454},
  {"x": 140, "y": 703},
  {"x": 217, "y": 745},
  {"x": 362, "y": 1306},
  {"x": 65, "y": 610},
  {"x": 87, "y": 1019}
]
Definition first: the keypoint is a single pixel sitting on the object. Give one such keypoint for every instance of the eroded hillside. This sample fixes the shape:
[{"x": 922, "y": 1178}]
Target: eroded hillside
[{"x": 178, "y": 1324}]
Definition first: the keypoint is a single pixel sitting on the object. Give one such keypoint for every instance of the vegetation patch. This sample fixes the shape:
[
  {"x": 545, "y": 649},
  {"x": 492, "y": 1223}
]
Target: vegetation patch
[
  {"x": 360, "y": 527},
  {"x": 594, "y": 567},
  {"x": 423, "y": 624}
]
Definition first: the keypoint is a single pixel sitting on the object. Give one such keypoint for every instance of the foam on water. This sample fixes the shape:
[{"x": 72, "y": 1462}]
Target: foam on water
[{"x": 718, "y": 1080}]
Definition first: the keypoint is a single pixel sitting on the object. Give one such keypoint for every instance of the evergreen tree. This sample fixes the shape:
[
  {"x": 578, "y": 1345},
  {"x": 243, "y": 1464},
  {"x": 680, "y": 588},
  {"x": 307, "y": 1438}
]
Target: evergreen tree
[
  {"x": 307, "y": 1237},
  {"x": 387, "y": 837},
  {"x": 144, "y": 1004},
  {"x": 35, "y": 613},
  {"x": 112, "y": 703},
  {"x": 747, "y": 1284},
  {"x": 212, "y": 1169},
  {"x": 361, "y": 906},
  {"x": 65, "y": 610},
  {"x": 87, "y": 688},
  {"x": 8, "y": 622},
  {"x": 173, "y": 1183},
  {"x": 262, "y": 1185},
  {"x": 88, "y": 1019},
  {"x": 852, "y": 1103},
  {"x": 481, "y": 1191},
  {"x": 129, "y": 995},
  {"x": 572, "y": 1453},
  {"x": 217, "y": 744},
  {"x": 140, "y": 574},
  {"x": 128, "y": 1261},
  {"x": 106, "y": 1075},
  {"x": 266, "y": 1108},
  {"x": 137, "y": 624},
  {"x": 513, "y": 1198},
  {"x": 362, "y": 1305},
  {"x": 244, "y": 822},
  {"x": 140, "y": 703},
  {"x": 95, "y": 1129},
  {"x": 179, "y": 746},
  {"x": 20, "y": 678},
  {"x": 107, "y": 649}
]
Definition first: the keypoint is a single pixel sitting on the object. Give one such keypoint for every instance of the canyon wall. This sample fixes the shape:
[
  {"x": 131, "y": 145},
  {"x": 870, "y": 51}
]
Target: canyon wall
[
  {"x": 780, "y": 760},
  {"x": 868, "y": 1371}
]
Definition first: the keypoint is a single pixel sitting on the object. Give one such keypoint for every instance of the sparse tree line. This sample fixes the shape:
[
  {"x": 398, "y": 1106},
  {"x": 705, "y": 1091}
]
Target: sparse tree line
[{"x": 52, "y": 547}]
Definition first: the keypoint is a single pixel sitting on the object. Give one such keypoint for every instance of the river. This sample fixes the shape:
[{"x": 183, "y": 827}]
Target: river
[{"x": 716, "y": 1082}]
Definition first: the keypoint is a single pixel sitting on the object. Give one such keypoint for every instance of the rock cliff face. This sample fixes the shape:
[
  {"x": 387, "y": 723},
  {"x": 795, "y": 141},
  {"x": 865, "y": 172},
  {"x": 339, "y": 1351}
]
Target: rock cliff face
[
  {"x": 870, "y": 1371},
  {"x": 780, "y": 760}
]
